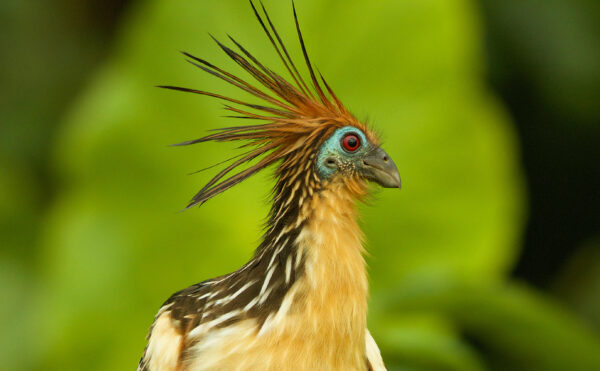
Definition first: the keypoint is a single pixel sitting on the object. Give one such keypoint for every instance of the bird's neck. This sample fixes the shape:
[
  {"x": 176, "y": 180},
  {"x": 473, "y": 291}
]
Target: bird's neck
[
  {"x": 314, "y": 226},
  {"x": 334, "y": 271},
  {"x": 317, "y": 250}
]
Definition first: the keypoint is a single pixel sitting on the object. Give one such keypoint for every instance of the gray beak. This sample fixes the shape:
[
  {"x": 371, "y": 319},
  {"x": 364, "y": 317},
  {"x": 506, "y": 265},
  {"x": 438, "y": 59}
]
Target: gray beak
[{"x": 378, "y": 167}]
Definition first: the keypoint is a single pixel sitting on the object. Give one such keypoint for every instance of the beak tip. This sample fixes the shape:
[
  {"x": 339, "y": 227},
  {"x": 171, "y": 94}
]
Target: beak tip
[
  {"x": 396, "y": 183},
  {"x": 399, "y": 183}
]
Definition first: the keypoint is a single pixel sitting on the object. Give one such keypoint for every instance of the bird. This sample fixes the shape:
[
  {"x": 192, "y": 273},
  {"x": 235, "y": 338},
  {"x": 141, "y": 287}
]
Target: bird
[{"x": 300, "y": 302}]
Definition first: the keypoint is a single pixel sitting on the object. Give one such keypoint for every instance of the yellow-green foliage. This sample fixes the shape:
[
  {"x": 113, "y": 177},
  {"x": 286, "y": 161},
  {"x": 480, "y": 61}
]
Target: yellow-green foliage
[{"x": 114, "y": 246}]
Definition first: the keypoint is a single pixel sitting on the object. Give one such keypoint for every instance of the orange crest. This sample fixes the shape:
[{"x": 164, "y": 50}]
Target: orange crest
[{"x": 298, "y": 118}]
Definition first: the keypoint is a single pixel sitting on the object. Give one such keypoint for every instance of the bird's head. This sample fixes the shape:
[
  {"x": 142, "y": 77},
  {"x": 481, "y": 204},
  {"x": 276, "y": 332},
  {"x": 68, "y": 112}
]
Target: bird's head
[
  {"x": 306, "y": 129},
  {"x": 350, "y": 153}
]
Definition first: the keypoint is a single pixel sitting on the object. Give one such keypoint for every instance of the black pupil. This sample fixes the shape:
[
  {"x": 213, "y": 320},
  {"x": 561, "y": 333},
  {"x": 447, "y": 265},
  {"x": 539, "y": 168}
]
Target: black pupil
[{"x": 352, "y": 142}]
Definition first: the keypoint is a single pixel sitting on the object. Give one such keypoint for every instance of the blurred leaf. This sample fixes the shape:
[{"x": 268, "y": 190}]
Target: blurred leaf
[
  {"x": 20, "y": 303},
  {"x": 423, "y": 341},
  {"x": 18, "y": 198},
  {"x": 553, "y": 43},
  {"x": 579, "y": 282},
  {"x": 520, "y": 329}
]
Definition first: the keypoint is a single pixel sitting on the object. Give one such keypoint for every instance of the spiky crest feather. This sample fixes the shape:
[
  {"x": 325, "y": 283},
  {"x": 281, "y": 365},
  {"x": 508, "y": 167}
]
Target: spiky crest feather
[{"x": 295, "y": 118}]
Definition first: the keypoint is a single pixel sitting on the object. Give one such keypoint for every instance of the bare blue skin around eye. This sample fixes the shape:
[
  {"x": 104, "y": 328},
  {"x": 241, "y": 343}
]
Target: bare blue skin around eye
[{"x": 332, "y": 147}]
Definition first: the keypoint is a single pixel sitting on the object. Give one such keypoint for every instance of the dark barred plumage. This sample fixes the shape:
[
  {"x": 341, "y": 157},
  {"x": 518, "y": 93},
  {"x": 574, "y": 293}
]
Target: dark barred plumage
[
  {"x": 248, "y": 288},
  {"x": 301, "y": 300}
]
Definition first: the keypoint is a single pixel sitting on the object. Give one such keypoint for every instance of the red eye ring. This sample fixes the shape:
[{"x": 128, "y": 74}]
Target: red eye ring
[{"x": 351, "y": 142}]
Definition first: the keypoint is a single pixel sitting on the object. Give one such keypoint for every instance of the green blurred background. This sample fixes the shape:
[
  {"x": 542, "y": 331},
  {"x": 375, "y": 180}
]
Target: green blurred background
[{"x": 489, "y": 108}]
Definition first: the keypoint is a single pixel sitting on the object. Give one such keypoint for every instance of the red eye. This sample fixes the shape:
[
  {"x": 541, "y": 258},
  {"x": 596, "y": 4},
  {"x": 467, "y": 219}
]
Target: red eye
[{"x": 351, "y": 142}]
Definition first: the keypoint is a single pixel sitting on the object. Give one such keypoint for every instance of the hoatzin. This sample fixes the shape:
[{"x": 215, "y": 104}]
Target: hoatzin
[{"x": 301, "y": 302}]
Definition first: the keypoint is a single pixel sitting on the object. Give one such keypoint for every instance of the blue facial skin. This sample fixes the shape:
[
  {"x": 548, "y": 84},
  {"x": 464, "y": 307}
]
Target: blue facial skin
[{"x": 333, "y": 158}]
